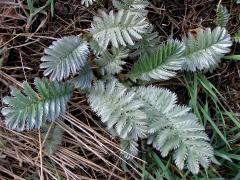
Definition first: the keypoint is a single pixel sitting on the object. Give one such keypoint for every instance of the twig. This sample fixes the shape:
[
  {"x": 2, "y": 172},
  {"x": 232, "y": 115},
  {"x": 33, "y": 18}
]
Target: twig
[
  {"x": 40, "y": 152},
  {"x": 219, "y": 3},
  {"x": 23, "y": 66}
]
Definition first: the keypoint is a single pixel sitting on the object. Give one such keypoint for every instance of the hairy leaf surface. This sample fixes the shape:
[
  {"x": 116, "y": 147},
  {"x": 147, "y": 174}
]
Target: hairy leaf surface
[
  {"x": 135, "y": 6},
  {"x": 222, "y": 16},
  {"x": 161, "y": 64},
  {"x": 87, "y": 3},
  {"x": 119, "y": 109},
  {"x": 121, "y": 28},
  {"x": 174, "y": 128},
  {"x": 111, "y": 62},
  {"x": 204, "y": 51},
  {"x": 129, "y": 147},
  {"x": 63, "y": 57},
  {"x": 31, "y": 108},
  {"x": 84, "y": 78}
]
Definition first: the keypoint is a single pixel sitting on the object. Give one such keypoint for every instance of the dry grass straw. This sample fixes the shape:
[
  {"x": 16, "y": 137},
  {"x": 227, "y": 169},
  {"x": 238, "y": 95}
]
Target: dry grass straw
[
  {"x": 87, "y": 150},
  {"x": 85, "y": 153}
]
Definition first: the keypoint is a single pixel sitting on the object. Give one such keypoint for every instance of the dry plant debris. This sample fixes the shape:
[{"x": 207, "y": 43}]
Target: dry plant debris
[{"x": 87, "y": 151}]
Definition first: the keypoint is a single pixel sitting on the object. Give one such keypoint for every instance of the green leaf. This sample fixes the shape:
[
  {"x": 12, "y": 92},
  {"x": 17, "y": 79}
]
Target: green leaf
[
  {"x": 222, "y": 16},
  {"x": 54, "y": 137},
  {"x": 111, "y": 62},
  {"x": 84, "y": 78},
  {"x": 146, "y": 46},
  {"x": 120, "y": 28},
  {"x": 204, "y": 51},
  {"x": 31, "y": 109},
  {"x": 160, "y": 65},
  {"x": 87, "y": 3},
  {"x": 236, "y": 37},
  {"x": 135, "y": 6},
  {"x": 119, "y": 109},
  {"x": 174, "y": 128},
  {"x": 65, "y": 56},
  {"x": 129, "y": 147}
]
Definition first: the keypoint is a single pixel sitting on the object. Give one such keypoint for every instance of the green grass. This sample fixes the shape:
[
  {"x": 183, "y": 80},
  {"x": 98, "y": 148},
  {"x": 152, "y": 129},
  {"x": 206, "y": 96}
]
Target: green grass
[
  {"x": 220, "y": 121},
  {"x": 221, "y": 125},
  {"x": 155, "y": 167},
  {"x": 33, "y": 11},
  {"x": 234, "y": 57}
]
